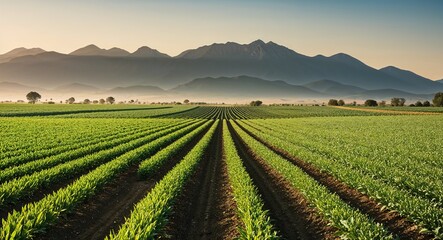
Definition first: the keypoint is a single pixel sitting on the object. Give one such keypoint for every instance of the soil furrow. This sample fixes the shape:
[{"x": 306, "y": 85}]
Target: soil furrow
[
  {"x": 205, "y": 209},
  {"x": 394, "y": 222},
  {"x": 289, "y": 210},
  {"x": 107, "y": 210}
]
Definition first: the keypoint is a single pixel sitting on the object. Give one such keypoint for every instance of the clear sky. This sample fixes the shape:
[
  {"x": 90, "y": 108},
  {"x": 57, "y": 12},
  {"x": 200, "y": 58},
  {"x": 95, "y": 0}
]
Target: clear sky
[{"x": 404, "y": 33}]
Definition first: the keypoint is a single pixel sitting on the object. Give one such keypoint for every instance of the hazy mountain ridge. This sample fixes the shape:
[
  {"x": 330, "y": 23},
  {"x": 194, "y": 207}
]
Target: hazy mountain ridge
[
  {"x": 258, "y": 59},
  {"x": 93, "y": 50},
  {"x": 332, "y": 88},
  {"x": 257, "y": 50},
  {"x": 19, "y": 52},
  {"x": 149, "y": 53},
  {"x": 243, "y": 86}
]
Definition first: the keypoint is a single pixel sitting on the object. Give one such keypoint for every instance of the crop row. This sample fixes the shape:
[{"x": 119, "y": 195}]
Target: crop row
[
  {"x": 31, "y": 153},
  {"x": 16, "y": 189},
  {"x": 154, "y": 163},
  {"x": 26, "y": 135},
  {"x": 351, "y": 224},
  {"x": 255, "y": 221},
  {"x": 418, "y": 208},
  {"x": 26, "y": 168},
  {"x": 415, "y": 174},
  {"x": 138, "y": 113},
  {"x": 35, "y": 217},
  {"x": 151, "y": 213}
]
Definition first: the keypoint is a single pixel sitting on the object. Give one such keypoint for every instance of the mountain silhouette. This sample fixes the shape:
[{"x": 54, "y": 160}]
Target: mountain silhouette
[
  {"x": 93, "y": 50},
  {"x": 147, "y": 67},
  {"x": 20, "y": 52},
  {"x": 257, "y": 50},
  {"x": 243, "y": 86},
  {"x": 147, "y": 52}
]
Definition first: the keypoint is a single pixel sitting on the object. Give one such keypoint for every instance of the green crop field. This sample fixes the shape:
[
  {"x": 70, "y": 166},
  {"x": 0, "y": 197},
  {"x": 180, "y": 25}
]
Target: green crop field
[{"x": 220, "y": 172}]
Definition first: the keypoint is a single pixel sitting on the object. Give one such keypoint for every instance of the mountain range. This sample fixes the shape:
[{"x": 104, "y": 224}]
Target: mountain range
[{"x": 277, "y": 69}]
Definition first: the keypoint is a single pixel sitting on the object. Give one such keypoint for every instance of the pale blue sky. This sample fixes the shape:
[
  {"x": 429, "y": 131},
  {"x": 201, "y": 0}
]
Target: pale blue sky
[{"x": 403, "y": 33}]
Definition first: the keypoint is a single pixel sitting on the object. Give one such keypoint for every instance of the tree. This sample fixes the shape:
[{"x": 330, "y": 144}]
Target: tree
[
  {"x": 71, "y": 100},
  {"x": 398, "y": 102},
  {"x": 110, "y": 100},
  {"x": 341, "y": 102},
  {"x": 419, "y": 104},
  {"x": 382, "y": 103},
  {"x": 102, "y": 101},
  {"x": 438, "y": 99},
  {"x": 95, "y": 102},
  {"x": 402, "y": 102},
  {"x": 86, "y": 101},
  {"x": 371, "y": 103},
  {"x": 426, "y": 104},
  {"x": 33, "y": 97},
  {"x": 333, "y": 102},
  {"x": 256, "y": 103},
  {"x": 186, "y": 101}
]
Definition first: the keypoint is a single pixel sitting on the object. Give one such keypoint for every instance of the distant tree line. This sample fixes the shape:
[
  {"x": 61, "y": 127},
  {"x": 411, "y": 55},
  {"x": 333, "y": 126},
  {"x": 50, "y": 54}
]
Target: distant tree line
[{"x": 437, "y": 101}]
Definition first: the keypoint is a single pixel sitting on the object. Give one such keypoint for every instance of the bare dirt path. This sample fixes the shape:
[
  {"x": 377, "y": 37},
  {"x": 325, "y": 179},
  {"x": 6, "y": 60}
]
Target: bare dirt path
[{"x": 205, "y": 209}]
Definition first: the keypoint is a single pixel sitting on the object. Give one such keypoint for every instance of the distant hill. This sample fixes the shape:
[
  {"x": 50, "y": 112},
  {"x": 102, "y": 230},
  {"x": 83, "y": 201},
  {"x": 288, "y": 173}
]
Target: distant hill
[
  {"x": 76, "y": 88},
  {"x": 114, "y": 67},
  {"x": 334, "y": 88},
  {"x": 20, "y": 52},
  {"x": 136, "y": 90},
  {"x": 347, "y": 59},
  {"x": 15, "y": 87},
  {"x": 440, "y": 81},
  {"x": 9, "y": 90},
  {"x": 93, "y": 50},
  {"x": 147, "y": 52},
  {"x": 412, "y": 78},
  {"x": 243, "y": 86}
]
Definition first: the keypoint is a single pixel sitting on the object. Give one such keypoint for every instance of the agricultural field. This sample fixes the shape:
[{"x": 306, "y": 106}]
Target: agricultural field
[
  {"x": 219, "y": 172},
  {"x": 89, "y": 110}
]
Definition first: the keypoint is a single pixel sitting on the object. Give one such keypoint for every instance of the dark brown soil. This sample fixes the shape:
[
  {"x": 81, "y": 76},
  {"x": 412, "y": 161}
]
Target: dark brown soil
[
  {"x": 402, "y": 227},
  {"x": 107, "y": 210},
  {"x": 289, "y": 210},
  {"x": 205, "y": 209}
]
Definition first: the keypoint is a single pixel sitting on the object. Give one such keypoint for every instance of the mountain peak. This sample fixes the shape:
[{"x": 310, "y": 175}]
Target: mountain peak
[
  {"x": 348, "y": 59},
  {"x": 256, "y": 50},
  {"x": 258, "y": 42},
  {"x": 88, "y": 50},
  {"x": 20, "y": 52},
  {"x": 93, "y": 50},
  {"x": 27, "y": 51},
  {"x": 91, "y": 46},
  {"x": 147, "y": 52}
]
